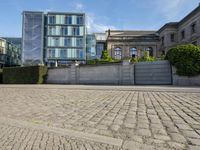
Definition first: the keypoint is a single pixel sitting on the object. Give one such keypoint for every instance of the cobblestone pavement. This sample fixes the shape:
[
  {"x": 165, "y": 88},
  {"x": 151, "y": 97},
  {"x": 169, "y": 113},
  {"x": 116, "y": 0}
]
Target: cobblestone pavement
[{"x": 99, "y": 118}]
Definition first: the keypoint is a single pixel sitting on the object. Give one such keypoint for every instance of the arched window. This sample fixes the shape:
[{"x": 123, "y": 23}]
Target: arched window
[
  {"x": 118, "y": 53},
  {"x": 133, "y": 52},
  {"x": 150, "y": 50}
]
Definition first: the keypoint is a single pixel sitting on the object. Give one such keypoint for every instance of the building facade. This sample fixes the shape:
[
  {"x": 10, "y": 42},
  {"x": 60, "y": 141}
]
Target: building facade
[
  {"x": 91, "y": 46},
  {"x": 10, "y": 54},
  {"x": 59, "y": 38},
  {"x": 128, "y": 44},
  {"x": 186, "y": 31},
  {"x": 65, "y": 38},
  {"x": 33, "y": 38},
  {"x": 54, "y": 38}
]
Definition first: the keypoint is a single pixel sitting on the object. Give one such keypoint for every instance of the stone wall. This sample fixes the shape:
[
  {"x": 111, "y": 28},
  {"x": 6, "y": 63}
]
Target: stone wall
[{"x": 184, "y": 81}]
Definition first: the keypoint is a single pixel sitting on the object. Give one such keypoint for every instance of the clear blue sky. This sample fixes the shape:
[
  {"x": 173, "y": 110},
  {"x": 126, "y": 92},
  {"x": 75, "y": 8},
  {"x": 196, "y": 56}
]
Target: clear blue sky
[{"x": 101, "y": 14}]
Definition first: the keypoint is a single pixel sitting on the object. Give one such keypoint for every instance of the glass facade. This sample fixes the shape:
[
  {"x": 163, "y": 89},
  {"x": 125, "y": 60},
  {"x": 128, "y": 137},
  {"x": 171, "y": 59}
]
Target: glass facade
[
  {"x": 32, "y": 40},
  {"x": 65, "y": 37},
  {"x": 53, "y": 37},
  {"x": 91, "y": 46}
]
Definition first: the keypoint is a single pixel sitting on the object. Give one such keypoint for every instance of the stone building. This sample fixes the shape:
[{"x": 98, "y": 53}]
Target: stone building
[
  {"x": 125, "y": 44},
  {"x": 186, "y": 31}
]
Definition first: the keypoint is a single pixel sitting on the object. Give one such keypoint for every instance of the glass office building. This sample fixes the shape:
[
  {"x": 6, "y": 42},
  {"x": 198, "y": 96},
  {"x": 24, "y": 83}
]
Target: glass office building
[
  {"x": 66, "y": 38},
  {"x": 54, "y": 38},
  {"x": 32, "y": 38}
]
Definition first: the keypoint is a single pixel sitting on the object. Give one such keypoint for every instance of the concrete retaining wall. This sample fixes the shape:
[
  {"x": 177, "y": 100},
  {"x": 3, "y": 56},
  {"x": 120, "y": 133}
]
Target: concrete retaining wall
[
  {"x": 144, "y": 73},
  {"x": 111, "y": 74},
  {"x": 185, "y": 81},
  {"x": 59, "y": 76},
  {"x": 153, "y": 73}
]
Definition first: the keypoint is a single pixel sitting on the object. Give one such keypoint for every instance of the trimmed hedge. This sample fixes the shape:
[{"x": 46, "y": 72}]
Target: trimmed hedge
[
  {"x": 25, "y": 75},
  {"x": 186, "y": 59},
  {"x": 1, "y": 76}
]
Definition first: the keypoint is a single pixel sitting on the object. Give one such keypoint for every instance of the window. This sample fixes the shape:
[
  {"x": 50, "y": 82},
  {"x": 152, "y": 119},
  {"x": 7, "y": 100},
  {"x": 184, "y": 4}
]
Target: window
[
  {"x": 193, "y": 28},
  {"x": 76, "y": 31},
  {"x": 56, "y": 42},
  {"x": 52, "y": 19},
  {"x": 133, "y": 52},
  {"x": 183, "y": 34},
  {"x": 64, "y": 31},
  {"x": 172, "y": 37},
  {"x": 79, "y": 20},
  {"x": 118, "y": 53},
  {"x": 51, "y": 53},
  {"x": 67, "y": 42},
  {"x": 150, "y": 51},
  {"x": 68, "y": 20},
  {"x": 79, "y": 42},
  {"x": 80, "y": 54},
  {"x": 63, "y": 53},
  {"x": 163, "y": 40}
]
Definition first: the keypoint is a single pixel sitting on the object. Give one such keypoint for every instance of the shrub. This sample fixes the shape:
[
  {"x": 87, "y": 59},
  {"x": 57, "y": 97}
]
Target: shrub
[
  {"x": 145, "y": 58},
  {"x": 24, "y": 75},
  {"x": 105, "y": 56},
  {"x": 186, "y": 59}
]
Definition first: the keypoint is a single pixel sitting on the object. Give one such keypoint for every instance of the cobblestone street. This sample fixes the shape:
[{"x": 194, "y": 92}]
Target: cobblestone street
[{"x": 62, "y": 117}]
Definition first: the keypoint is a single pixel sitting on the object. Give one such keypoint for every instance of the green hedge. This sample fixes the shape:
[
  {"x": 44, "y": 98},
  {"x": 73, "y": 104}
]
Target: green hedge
[
  {"x": 186, "y": 59},
  {"x": 25, "y": 75},
  {"x": 1, "y": 76}
]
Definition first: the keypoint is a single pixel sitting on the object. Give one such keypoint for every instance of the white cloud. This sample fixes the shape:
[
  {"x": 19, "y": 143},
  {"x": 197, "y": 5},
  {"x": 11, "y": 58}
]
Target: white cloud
[
  {"x": 79, "y": 6},
  {"x": 171, "y": 9},
  {"x": 94, "y": 26},
  {"x": 93, "y": 22}
]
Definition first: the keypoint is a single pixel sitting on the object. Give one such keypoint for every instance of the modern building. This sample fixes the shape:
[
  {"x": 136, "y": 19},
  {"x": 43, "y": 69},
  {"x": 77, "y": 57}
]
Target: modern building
[
  {"x": 54, "y": 38},
  {"x": 10, "y": 54},
  {"x": 17, "y": 41},
  {"x": 91, "y": 46},
  {"x": 33, "y": 38}
]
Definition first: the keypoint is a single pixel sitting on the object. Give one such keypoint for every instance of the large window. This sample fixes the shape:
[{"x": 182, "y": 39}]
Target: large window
[
  {"x": 79, "y": 20},
  {"x": 172, "y": 37},
  {"x": 51, "y": 53},
  {"x": 79, "y": 42},
  {"x": 150, "y": 51},
  {"x": 67, "y": 42},
  {"x": 80, "y": 54},
  {"x": 133, "y": 52},
  {"x": 193, "y": 28},
  {"x": 64, "y": 31},
  {"x": 118, "y": 53},
  {"x": 63, "y": 53},
  {"x": 183, "y": 34},
  {"x": 163, "y": 41},
  {"x": 52, "y": 19},
  {"x": 68, "y": 20},
  {"x": 76, "y": 31}
]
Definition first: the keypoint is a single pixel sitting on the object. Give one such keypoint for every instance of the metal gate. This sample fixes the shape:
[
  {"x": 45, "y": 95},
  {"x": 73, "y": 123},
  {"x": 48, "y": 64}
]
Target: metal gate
[{"x": 153, "y": 73}]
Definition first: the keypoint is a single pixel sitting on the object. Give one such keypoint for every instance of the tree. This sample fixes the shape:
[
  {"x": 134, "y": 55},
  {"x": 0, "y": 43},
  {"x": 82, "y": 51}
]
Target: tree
[{"x": 105, "y": 56}]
